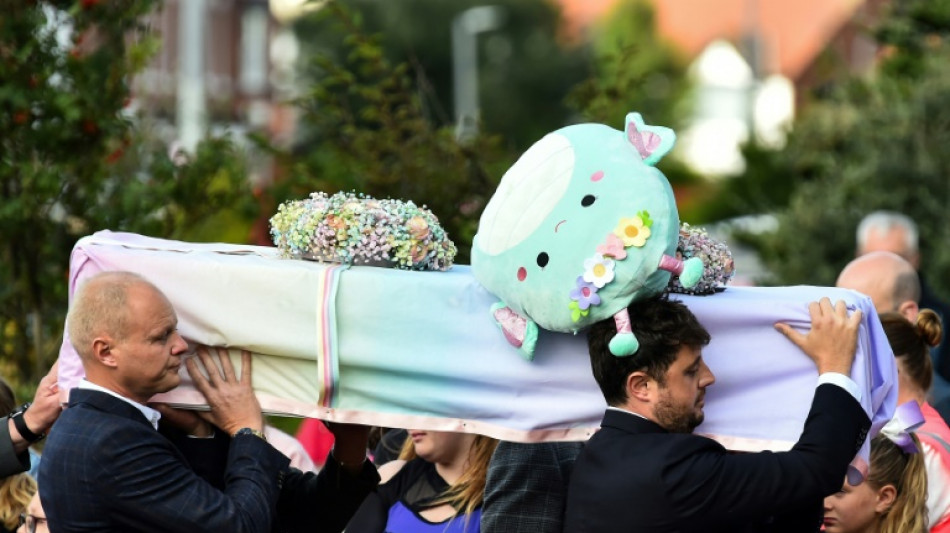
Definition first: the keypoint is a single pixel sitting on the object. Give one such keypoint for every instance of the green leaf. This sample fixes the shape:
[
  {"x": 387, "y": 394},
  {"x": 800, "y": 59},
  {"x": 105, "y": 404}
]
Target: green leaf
[{"x": 645, "y": 217}]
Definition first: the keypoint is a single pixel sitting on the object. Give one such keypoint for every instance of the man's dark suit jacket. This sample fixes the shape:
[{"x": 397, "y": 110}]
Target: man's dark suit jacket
[
  {"x": 634, "y": 476},
  {"x": 930, "y": 300},
  {"x": 105, "y": 468},
  {"x": 526, "y": 487}
]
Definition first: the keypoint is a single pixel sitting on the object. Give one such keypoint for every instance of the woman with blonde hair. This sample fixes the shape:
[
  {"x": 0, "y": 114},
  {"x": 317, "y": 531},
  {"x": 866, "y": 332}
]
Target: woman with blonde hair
[
  {"x": 893, "y": 497},
  {"x": 911, "y": 343},
  {"x": 436, "y": 486},
  {"x": 34, "y": 519},
  {"x": 15, "y": 494}
]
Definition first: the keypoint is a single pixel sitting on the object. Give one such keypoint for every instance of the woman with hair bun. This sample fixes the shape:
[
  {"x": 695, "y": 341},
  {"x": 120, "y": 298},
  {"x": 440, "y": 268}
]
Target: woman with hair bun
[{"x": 911, "y": 344}]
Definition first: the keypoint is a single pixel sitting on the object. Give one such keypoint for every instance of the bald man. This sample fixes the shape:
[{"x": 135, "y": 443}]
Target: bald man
[
  {"x": 107, "y": 467},
  {"x": 893, "y": 285},
  {"x": 889, "y": 231},
  {"x": 895, "y": 232},
  {"x": 888, "y": 279}
]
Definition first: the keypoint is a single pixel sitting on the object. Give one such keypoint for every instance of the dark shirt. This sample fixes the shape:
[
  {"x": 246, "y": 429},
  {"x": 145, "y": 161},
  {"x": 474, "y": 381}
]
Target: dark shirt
[
  {"x": 930, "y": 300},
  {"x": 416, "y": 486}
]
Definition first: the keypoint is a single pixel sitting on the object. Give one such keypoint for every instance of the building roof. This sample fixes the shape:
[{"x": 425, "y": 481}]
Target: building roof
[{"x": 792, "y": 32}]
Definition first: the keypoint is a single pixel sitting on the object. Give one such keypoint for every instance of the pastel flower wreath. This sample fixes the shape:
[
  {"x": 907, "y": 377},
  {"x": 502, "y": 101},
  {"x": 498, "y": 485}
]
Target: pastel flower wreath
[{"x": 358, "y": 229}]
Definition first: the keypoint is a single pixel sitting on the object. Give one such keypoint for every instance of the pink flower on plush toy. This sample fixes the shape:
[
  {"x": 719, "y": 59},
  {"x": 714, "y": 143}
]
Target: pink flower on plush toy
[
  {"x": 612, "y": 248},
  {"x": 585, "y": 294}
]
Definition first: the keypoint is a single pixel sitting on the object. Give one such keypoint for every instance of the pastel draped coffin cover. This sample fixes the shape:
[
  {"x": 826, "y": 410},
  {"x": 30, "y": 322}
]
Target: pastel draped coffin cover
[{"x": 420, "y": 349}]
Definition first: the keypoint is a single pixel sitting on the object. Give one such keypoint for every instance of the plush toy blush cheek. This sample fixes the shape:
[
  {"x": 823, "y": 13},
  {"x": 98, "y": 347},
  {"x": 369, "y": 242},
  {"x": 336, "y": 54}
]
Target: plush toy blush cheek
[
  {"x": 522, "y": 274},
  {"x": 597, "y": 176}
]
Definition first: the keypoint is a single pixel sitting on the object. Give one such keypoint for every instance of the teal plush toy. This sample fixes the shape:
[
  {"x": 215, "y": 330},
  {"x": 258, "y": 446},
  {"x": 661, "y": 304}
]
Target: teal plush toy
[{"x": 579, "y": 227}]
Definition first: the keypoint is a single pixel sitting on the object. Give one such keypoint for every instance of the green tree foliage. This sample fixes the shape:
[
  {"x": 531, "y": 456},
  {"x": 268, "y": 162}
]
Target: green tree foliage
[
  {"x": 634, "y": 69},
  {"x": 526, "y": 67},
  {"x": 73, "y": 162},
  {"x": 876, "y": 143},
  {"x": 908, "y": 34},
  {"x": 366, "y": 130}
]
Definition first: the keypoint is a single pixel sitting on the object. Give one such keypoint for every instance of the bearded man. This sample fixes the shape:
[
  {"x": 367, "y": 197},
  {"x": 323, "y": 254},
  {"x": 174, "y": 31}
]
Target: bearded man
[{"x": 645, "y": 470}]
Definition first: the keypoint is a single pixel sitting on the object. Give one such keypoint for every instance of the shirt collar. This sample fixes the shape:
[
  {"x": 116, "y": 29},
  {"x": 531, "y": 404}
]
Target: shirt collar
[
  {"x": 622, "y": 410},
  {"x": 150, "y": 414}
]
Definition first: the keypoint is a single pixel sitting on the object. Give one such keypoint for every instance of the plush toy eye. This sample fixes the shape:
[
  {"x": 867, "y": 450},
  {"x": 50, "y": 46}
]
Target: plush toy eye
[
  {"x": 588, "y": 200},
  {"x": 543, "y": 259}
]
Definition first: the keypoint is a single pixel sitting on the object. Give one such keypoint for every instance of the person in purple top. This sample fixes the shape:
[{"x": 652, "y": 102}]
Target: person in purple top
[{"x": 436, "y": 486}]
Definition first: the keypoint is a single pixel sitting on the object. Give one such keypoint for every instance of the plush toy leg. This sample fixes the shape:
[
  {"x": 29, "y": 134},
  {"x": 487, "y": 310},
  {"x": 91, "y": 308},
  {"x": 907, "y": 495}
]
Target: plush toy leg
[
  {"x": 689, "y": 271},
  {"x": 519, "y": 331},
  {"x": 624, "y": 343}
]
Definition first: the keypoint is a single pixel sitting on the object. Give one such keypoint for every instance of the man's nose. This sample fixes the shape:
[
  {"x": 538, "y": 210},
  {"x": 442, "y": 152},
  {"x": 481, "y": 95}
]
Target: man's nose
[
  {"x": 708, "y": 378},
  {"x": 179, "y": 346}
]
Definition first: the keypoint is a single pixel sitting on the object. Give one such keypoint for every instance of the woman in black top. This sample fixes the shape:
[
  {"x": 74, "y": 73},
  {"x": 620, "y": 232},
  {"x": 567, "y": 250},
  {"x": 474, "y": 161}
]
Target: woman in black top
[{"x": 436, "y": 486}]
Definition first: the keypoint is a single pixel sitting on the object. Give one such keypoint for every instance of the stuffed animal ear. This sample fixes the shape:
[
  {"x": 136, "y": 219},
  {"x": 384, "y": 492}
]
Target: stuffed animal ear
[{"x": 651, "y": 142}]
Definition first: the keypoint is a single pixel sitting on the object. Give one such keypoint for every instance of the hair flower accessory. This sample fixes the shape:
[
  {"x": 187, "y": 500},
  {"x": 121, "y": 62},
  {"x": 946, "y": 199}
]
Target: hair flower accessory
[
  {"x": 907, "y": 417},
  {"x": 357, "y": 229}
]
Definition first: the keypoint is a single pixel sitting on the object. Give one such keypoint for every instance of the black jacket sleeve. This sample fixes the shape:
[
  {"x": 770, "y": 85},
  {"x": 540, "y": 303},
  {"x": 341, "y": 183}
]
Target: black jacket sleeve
[
  {"x": 324, "y": 502},
  {"x": 10, "y": 461}
]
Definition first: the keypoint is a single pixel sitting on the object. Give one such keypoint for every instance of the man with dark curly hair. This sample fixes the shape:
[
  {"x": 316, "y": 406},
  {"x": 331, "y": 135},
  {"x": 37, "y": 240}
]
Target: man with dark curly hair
[{"x": 646, "y": 471}]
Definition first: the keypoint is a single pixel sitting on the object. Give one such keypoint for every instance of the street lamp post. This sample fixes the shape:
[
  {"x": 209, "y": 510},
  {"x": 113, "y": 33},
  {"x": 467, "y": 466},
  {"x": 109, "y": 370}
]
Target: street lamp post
[
  {"x": 465, "y": 27},
  {"x": 191, "y": 111}
]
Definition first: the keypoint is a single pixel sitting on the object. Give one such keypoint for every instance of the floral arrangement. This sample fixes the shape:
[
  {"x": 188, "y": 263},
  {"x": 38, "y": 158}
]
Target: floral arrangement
[
  {"x": 599, "y": 268},
  {"x": 718, "y": 267},
  {"x": 358, "y": 229}
]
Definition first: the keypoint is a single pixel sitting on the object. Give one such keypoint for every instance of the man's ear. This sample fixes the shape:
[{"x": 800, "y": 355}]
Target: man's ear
[
  {"x": 909, "y": 309},
  {"x": 885, "y": 499},
  {"x": 103, "y": 351},
  {"x": 639, "y": 386}
]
